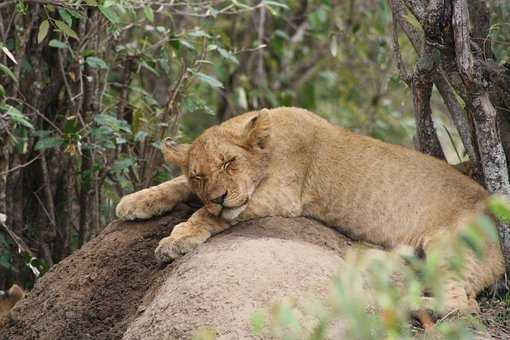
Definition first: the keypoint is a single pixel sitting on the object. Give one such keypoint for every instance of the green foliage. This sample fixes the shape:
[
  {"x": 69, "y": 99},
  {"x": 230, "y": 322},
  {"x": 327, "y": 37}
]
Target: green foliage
[{"x": 375, "y": 293}]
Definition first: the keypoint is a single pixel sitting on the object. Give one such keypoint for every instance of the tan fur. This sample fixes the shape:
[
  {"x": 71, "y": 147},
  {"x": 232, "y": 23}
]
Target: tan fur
[
  {"x": 290, "y": 162},
  {"x": 10, "y": 298}
]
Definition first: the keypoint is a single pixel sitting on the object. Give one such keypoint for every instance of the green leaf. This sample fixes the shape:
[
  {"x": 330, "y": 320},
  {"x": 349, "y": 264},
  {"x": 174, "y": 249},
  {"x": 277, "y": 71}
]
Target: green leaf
[
  {"x": 473, "y": 240},
  {"x": 75, "y": 14},
  {"x": 149, "y": 14},
  {"x": 49, "y": 143},
  {"x": 57, "y": 44},
  {"x": 198, "y": 34},
  {"x": 187, "y": 44},
  {"x": 18, "y": 117},
  {"x": 258, "y": 320},
  {"x": 500, "y": 207},
  {"x": 208, "y": 79},
  {"x": 149, "y": 68},
  {"x": 228, "y": 55},
  {"x": 96, "y": 62},
  {"x": 112, "y": 122},
  {"x": 122, "y": 164},
  {"x": 109, "y": 14},
  {"x": 65, "y": 16},
  {"x": 333, "y": 46},
  {"x": 487, "y": 226},
  {"x": 140, "y": 136},
  {"x": 43, "y": 31},
  {"x": 91, "y": 2},
  {"x": 64, "y": 28},
  {"x": 8, "y": 54},
  {"x": 8, "y": 72}
]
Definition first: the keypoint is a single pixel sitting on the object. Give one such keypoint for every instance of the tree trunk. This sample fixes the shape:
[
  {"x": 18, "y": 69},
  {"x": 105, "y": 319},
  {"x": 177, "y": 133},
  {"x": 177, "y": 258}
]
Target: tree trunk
[{"x": 456, "y": 55}]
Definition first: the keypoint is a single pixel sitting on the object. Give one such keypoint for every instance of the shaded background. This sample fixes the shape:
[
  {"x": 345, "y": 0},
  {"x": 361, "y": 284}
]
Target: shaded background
[{"x": 88, "y": 90}]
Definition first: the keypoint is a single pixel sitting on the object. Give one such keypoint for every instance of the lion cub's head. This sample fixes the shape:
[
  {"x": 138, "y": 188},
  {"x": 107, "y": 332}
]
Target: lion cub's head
[{"x": 224, "y": 165}]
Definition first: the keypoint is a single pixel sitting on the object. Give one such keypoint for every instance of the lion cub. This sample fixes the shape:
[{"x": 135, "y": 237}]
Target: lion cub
[
  {"x": 9, "y": 298},
  {"x": 290, "y": 162}
]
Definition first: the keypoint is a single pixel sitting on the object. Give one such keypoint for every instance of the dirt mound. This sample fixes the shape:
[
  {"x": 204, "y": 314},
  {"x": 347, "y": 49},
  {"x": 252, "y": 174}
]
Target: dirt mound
[{"x": 108, "y": 289}]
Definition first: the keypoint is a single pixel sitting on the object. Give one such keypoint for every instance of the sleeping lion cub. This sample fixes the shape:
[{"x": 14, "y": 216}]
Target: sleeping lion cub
[{"x": 290, "y": 162}]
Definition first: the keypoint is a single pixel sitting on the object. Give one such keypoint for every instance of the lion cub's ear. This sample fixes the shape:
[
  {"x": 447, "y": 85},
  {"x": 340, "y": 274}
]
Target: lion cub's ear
[
  {"x": 257, "y": 131},
  {"x": 175, "y": 153}
]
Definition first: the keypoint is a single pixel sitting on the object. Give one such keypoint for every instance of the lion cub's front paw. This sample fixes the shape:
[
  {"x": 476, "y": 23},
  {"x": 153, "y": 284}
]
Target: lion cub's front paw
[
  {"x": 133, "y": 207},
  {"x": 183, "y": 239}
]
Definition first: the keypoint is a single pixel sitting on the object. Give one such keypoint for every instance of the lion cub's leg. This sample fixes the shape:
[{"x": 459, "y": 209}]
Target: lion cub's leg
[
  {"x": 153, "y": 201},
  {"x": 461, "y": 289},
  {"x": 188, "y": 235}
]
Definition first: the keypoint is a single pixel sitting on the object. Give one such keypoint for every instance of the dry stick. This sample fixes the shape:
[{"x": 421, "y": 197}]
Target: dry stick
[
  {"x": 63, "y": 75},
  {"x": 402, "y": 69},
  {"x": 20, "y": 166},
  {"x": 48, "y": 195},
  {"x": 23, "y": 48},
  {"x": 459, "y": 119},
  {"x": 261, "y": 74},
  {"x": 42, "y": 241},
  {"x": 18, "y": 240}
]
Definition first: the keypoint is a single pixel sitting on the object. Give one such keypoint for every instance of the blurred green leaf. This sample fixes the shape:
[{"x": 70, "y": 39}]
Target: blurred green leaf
[
  {"x": 57, "y": 44},
  {"x": 19, "y": 118},
  {"x": 96, "y": 62},
  {"x": 149, "y": 14},
  {"x": 122, "y": 164},
  {"x": 64, "y": 14},
  {"x": 213, "y": 82},
  {"x": 64, "y": 28},
  {"x": 43, "y": 31},
  {"x": 500, "y": 207},
  {"x": 49, "y": 143},
  {"x": 8, "y": 72},
  {"x": 258, "y": 320},
  {"x": 109, "y": 14}
]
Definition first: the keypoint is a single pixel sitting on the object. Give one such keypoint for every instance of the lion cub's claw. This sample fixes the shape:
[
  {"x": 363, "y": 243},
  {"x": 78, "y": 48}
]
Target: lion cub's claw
[
  {"x": 182, "y": 240},
  {"x": 166, "y": 251}
]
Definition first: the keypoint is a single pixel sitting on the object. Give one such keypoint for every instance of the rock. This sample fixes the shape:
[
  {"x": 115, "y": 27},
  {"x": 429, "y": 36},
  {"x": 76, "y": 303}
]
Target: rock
[{"x": 113, "y": 288}]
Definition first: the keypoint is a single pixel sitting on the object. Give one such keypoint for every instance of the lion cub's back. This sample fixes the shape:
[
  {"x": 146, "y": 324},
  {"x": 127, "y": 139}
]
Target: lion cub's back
[{"x": 385, "y": 193}]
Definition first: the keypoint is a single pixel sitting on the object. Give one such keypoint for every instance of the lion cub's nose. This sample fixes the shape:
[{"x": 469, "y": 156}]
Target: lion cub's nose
[{"x": 220, "y": 199}]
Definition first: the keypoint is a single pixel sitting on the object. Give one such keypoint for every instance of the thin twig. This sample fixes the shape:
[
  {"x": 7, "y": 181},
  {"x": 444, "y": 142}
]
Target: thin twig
[
  {"x": 20, "y": 166},
  {"x": 18, "y": 240},
  {"x": 404, "y": 74},
  {"x": 63, "y": 75}
]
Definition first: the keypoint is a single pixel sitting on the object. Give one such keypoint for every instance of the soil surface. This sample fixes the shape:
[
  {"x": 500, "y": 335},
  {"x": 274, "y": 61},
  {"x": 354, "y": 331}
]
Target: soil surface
[{"x": 113, "y": 288}]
